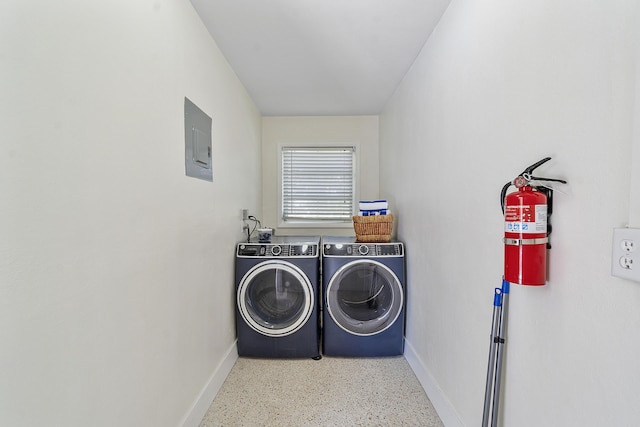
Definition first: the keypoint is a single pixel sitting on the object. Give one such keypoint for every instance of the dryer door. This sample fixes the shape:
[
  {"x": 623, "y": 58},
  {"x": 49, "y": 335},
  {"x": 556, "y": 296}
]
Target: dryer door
[
  {"x": 364, "y": 297},
  {"x": 275, "y": 298}
]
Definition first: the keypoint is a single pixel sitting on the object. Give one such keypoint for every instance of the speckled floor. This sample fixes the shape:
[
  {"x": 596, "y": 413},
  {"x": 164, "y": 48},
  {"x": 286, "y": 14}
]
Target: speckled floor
[{"x": 327, "y": 392}]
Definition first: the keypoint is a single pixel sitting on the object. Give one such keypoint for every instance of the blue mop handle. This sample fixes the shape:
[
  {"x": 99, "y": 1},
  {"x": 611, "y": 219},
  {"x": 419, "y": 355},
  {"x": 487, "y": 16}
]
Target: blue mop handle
[
  {"x": 495, "y": 326},
  {"x": 500, "y": 342},
  {"x": 497, "y": 297},
  {"x": 505, "y": 286}
]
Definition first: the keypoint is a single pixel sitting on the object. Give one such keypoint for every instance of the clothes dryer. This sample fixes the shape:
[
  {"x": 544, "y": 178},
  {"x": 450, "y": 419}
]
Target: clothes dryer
[
  {"x": 364, "y": 298},
  {"x": 277, "y": 298}
]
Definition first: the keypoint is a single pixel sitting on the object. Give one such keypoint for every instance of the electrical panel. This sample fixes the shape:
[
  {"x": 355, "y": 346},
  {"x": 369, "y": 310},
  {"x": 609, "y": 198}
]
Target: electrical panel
[{"x": 197, "y": 142}]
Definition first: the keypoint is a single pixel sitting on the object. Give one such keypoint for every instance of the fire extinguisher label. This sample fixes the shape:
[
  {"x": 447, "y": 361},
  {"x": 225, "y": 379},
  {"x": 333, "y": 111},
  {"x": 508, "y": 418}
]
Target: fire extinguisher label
[{"x": 525, "y": 219}]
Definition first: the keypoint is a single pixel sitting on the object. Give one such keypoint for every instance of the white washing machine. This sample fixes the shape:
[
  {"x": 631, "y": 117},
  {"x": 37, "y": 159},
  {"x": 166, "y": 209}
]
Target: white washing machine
[
  {"x": 364, "y": 298},
  {"x": 277, "y": 298}
]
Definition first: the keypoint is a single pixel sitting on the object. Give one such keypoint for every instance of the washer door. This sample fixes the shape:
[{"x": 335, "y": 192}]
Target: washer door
[
  {"x": 275, "y": 298},
  {"x": 364, "y": 297}
]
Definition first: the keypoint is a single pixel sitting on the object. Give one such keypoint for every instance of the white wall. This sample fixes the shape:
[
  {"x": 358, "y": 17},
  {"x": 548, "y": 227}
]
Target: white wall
[
  {"x": 116, "y": 270},
  {"x": 360, "y": 130},
  {"x": 498, "y": 86}
]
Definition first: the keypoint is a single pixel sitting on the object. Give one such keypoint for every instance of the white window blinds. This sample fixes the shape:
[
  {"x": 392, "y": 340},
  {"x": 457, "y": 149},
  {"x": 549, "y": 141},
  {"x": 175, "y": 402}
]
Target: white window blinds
[{"x": 318, "y": 184}]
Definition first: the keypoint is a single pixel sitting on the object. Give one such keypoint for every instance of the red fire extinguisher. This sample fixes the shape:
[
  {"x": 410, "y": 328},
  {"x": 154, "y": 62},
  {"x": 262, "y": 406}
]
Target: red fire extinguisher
[{"x": 526, "y": 227}]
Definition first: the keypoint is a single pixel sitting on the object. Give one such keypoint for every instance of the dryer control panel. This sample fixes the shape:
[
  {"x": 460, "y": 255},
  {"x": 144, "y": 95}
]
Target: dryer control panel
[
  {"x": 269, "y": 250},
  {"x": 369, "y": 250}
]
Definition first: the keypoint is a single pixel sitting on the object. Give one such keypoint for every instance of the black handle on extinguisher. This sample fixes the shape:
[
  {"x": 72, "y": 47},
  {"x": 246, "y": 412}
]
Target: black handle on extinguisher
[
  {"x": 527, "y": 174},
  {"x": 528, "y": 171},
  {"x": 534, "y": 166}
]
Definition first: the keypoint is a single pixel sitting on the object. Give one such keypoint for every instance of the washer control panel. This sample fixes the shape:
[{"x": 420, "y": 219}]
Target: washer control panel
[
  {"x": 269, "y": 250},
  {"x": 369, "y": 250}
]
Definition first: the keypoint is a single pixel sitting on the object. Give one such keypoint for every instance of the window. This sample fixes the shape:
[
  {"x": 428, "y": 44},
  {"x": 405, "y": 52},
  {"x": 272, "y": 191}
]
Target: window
[{"x": 318, "y": 184}]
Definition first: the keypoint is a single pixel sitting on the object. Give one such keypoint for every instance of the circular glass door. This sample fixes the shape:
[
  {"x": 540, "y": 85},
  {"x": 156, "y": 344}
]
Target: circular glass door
[
  {"x": 275, "y": 298},
  {"x": 364, "y": 297}
]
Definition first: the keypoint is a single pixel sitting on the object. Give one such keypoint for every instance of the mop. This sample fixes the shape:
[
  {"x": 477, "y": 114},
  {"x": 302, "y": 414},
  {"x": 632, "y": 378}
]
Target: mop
[{"x": 496, "y": 347}]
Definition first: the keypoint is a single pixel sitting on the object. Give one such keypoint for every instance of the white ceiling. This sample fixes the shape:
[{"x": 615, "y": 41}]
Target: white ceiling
[{"x": 320, "y": 57}]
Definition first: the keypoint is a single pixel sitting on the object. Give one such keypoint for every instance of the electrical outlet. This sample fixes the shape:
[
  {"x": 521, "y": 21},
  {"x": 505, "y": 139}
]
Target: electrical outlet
[
  {"x": 625, "y": 258},
  {"x": 626, "y": 262},
  {"x": 245, "y": 216},
  {"x": 628, "y": 245}
]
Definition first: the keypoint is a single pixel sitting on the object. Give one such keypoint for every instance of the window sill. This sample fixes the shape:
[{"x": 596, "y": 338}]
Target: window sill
[{"x": 314, "y": 224}]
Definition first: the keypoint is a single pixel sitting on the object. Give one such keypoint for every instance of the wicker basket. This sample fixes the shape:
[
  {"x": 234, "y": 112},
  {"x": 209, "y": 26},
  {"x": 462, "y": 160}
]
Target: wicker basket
[{"x": 376, "y": 228}]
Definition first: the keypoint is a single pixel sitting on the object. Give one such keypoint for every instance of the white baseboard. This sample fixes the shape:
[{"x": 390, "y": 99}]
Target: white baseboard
[
  {"x": 199, "y": 408},
  {"x": 441, "y": 404}
]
